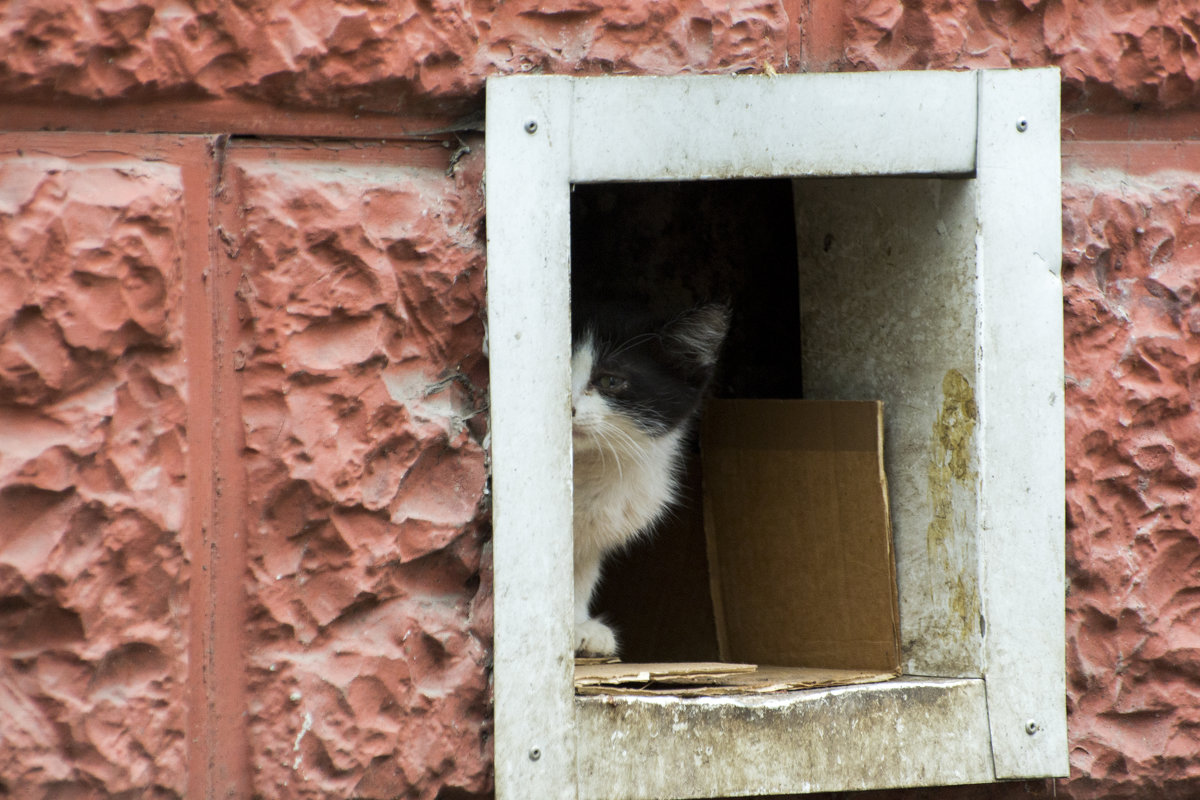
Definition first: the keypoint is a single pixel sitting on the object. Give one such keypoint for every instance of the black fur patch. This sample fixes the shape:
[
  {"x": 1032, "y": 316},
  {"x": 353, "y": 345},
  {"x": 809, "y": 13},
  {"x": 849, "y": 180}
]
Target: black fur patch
[{"x": 656, "y": 374}]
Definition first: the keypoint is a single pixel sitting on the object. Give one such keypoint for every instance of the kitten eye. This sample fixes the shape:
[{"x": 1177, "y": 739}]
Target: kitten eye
[{"x": 610, "y": 383}]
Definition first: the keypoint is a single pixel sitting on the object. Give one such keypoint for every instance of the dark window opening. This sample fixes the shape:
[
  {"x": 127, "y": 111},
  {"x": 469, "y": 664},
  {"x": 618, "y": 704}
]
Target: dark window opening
[{"x": 665, "y": 247}]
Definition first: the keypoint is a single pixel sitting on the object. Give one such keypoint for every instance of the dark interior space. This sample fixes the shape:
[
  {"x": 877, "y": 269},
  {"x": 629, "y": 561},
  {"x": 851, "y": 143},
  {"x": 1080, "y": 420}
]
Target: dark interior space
[{"x": 665, "y": 247}]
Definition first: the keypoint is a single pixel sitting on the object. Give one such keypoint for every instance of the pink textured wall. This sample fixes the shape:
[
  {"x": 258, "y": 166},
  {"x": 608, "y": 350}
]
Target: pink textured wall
[
  {"x": 363, "y": 379},
  {"x": 93, "y": 605},
  {"x": 243, "y": 516},
  {"x": 1132, "y": 275},
  {"x": 403, "y": 57},
  {"x": 364, "y": 55},
  {"x": 1112, "y": 53}
]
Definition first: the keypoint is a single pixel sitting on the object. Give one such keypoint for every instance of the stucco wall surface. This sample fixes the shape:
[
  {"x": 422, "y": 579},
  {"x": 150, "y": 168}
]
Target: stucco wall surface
[
  {"x": 93, "y": 601},
  {"x": 360, "y": 383},
  {"x": 1112, "y": 53},
  {"x": 363, "y": 384},
  {"x": 1132, "y": 276},
  {"x": 360, "y": 54},
  {"x": 400, "y": 56}
]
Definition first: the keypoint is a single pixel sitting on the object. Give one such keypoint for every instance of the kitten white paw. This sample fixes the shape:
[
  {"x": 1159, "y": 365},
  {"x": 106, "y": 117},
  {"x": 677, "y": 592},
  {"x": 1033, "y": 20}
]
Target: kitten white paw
[{"x": 594, "y": 639}]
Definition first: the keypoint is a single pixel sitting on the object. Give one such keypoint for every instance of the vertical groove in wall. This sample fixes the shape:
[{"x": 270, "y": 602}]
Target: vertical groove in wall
[
  {"x": 822, "y": 33},
  {"x": 218, "y": 762}
]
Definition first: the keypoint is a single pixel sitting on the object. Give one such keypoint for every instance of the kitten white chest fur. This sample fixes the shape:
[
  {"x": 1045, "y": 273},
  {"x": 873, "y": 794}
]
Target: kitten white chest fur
[{"x": 619, "y": 493}]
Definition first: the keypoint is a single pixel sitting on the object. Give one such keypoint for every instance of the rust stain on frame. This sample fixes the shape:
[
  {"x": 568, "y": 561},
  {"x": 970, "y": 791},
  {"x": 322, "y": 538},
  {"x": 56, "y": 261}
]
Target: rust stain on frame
[{"x": 950, "y": 463}]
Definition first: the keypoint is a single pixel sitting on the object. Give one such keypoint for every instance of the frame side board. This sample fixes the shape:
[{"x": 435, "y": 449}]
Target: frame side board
[
  {"x": 1021, "y": 440},
  {"x": 529, "y": 343}
]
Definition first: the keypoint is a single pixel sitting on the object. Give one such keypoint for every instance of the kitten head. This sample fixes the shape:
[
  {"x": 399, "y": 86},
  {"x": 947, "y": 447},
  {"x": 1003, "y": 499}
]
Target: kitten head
[{"x": 632, "y": 382}]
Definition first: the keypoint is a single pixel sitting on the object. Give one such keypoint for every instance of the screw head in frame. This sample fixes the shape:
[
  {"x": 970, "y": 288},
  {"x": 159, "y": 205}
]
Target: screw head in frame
[
  {"x": 531, "y": 126},
  {"x": 535, "y": 753},
  {"x": 1031, "y": 727},
  {"x": 1022, "y": 124}
]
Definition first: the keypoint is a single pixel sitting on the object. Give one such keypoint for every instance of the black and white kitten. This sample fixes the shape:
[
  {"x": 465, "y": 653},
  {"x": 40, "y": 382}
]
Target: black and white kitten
[{"x": 634, "y": 391}]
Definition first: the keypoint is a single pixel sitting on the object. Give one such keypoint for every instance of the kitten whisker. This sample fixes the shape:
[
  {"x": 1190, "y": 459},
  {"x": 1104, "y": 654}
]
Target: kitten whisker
[
  {"x": 630, "y": 446},
  {"x": 603, "y": 444},
  {"x": 608, "y": 430}
]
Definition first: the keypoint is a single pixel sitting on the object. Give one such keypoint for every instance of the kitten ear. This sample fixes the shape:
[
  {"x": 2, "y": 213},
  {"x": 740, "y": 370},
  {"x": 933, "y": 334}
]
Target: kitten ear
[{"x": 697, "y": 335}]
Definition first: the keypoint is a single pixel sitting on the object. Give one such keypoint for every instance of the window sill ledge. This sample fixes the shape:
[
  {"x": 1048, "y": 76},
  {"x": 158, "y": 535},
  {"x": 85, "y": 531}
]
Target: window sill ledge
[{"x": 912, "y": 731}]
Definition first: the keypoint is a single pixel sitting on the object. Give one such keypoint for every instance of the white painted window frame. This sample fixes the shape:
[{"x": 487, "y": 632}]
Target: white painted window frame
[{"x": 1005, "y": 716}]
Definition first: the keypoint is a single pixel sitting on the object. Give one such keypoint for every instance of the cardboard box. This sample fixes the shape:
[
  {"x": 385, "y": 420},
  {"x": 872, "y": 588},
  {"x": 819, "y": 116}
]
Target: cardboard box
[{"x": 800, "y": 554}]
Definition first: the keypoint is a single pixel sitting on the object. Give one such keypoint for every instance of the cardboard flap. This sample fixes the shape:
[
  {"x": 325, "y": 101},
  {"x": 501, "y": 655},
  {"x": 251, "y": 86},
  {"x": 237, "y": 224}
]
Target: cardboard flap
[{"x": 800, "y": 546}]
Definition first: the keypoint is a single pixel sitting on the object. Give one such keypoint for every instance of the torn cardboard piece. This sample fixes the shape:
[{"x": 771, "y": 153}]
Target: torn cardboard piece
[
  {"x": 708, "y": 679},
  {"x": 617, "y": 673}
]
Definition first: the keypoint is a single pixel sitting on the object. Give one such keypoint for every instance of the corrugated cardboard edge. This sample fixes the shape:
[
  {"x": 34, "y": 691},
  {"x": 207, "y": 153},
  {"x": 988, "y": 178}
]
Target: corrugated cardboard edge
[
  {"x": 891, "y": 542},
  {"x": 686, "y": 672},
  {"x": 714, "y": 577}
]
